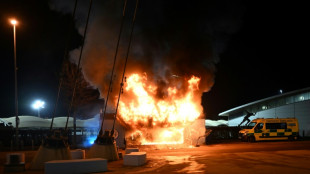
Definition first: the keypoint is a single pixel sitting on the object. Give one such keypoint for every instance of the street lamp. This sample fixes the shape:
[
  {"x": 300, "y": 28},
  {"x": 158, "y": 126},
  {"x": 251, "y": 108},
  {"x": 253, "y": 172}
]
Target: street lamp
[
  {"x": 14, "y": 23},
  {"x": 38, "y": 104}
]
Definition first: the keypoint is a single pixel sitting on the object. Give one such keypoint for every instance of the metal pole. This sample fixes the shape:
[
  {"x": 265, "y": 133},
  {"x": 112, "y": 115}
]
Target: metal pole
[
  {"x": 16, "y": 98},
  {"x": 78, "y": 66},
  {"x": 126, "y": 59},
  {"x": 111, "y": 79},
  {"x": 62, "y": 66}
]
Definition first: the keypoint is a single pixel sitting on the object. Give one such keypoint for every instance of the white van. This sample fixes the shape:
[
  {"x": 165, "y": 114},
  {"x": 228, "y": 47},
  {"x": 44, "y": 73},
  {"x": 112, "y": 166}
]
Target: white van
[{"x": 270, "y": 129}]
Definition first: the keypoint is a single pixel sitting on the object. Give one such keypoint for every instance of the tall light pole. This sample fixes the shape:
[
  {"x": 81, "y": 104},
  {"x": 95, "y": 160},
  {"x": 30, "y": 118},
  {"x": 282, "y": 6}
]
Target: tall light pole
[{"x": 14, "y": 23}]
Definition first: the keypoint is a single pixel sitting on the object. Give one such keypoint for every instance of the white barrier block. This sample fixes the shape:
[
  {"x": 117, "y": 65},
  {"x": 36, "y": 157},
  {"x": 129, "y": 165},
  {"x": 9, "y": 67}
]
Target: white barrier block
[
  {"x": 135, "y": 159},
  {"x": 129, "y": 150},
  {"x": 78, "y": 154},
  {"x": 76, "y": 166}
]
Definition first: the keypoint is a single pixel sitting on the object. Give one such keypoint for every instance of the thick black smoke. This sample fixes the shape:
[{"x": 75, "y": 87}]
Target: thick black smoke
[{"x": 171, "y": 39}]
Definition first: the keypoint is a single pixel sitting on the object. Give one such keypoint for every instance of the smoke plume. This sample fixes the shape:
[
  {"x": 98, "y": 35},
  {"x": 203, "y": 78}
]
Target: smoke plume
[{"x": 171, "y": 39}]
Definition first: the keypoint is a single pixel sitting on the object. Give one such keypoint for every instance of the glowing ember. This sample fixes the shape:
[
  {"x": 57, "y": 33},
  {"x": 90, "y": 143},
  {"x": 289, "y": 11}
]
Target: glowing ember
[{"x": 159, "y": 119}]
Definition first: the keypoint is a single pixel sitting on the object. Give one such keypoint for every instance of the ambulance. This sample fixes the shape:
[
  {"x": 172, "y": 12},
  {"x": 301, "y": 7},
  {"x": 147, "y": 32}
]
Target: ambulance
[{"x": 261, "y": 129}]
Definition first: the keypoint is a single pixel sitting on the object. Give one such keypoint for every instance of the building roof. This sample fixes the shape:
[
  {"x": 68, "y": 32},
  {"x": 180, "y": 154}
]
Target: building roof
[
  {"x": 59, "y": 122},
  {"x": 256, "y": 104}
]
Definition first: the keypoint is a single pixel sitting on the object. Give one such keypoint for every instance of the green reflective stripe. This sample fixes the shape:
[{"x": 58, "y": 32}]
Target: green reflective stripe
[
  {"x": 288, "y": 130},
  {"x": 272, "y": 134},
  {"x": 273, "y": 130}
]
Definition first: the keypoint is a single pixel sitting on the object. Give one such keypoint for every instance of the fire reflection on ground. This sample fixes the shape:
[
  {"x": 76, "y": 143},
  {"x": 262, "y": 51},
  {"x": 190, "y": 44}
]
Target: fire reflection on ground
[{"x": 191, "y": 167}]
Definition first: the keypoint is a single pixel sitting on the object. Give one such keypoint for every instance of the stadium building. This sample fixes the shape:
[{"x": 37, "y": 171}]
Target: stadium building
[
  {"x": 295, "y": 104},
  {"x": 32, "y": 129}
]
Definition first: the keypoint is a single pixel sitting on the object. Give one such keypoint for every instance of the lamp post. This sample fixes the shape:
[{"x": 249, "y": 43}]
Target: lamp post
[
  {"x": 38, "y": 104},
  {"x": 14, "y": 23}
]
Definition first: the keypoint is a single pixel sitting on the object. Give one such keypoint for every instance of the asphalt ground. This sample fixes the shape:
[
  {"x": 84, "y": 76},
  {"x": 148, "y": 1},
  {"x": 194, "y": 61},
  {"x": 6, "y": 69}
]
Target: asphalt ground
[{"x": 230, "y": 157}]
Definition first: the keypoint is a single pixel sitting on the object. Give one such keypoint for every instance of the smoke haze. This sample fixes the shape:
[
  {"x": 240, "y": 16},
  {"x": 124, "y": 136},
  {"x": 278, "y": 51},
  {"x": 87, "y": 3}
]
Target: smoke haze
[{"x": 171, "y": 39}]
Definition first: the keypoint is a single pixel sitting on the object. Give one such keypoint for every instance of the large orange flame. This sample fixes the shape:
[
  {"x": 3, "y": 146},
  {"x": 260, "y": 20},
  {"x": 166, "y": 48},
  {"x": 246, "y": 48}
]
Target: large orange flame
[{"x": 165, "y": 116}]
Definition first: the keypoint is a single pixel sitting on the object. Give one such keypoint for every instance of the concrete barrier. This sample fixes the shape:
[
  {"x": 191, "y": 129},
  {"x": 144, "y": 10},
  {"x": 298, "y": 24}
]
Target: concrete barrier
[
  {"x": 76, "y": 166},
  {"x": 108, "y": 152},
  {"x": 45, "y": 154},
  {"x": 129, "y": 150},
  {"x": 78, "y": 154},
  {"x": 135, "y": 159}
]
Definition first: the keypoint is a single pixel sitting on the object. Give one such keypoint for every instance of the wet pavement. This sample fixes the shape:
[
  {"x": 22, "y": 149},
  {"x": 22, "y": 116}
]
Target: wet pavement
[{"x": 234, "y": 157}]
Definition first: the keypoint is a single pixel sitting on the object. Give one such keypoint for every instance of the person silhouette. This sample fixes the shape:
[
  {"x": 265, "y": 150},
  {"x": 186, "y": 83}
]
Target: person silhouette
[{"x": 246, "y": 118}]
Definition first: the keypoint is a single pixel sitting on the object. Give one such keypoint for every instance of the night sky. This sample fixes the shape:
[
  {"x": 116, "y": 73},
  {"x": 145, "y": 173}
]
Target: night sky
[{"x": 244, "y": 51}]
